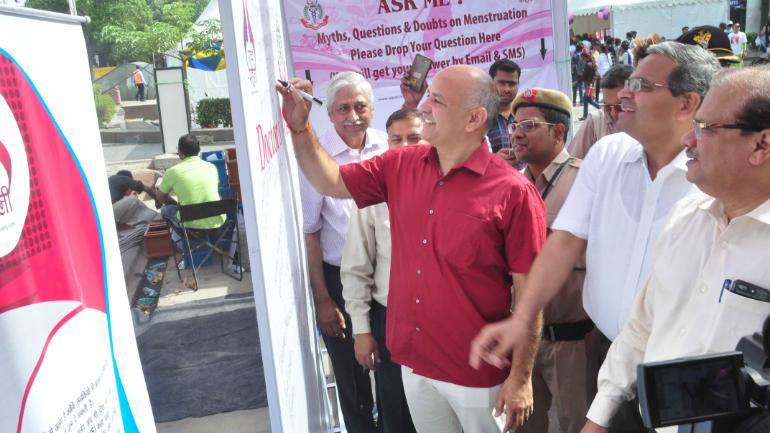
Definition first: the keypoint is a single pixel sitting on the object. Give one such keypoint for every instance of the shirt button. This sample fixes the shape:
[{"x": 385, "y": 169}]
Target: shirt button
[
  {"x": 417, "y": 301},
  {"x": 441, "y": 183},
  {"x": 682, "y": 332},
  {"x": 430, "y": 211},
  {"x": 417, "y": 329},
  {"x": 419, "y": 271},
  {"x": 702, "y": 288},
  {"x": 425, "y": 242}
]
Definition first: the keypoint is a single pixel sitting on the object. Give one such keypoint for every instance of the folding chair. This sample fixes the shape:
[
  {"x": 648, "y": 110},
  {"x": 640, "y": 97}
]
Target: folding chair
[{"x": 226, "y": 238}]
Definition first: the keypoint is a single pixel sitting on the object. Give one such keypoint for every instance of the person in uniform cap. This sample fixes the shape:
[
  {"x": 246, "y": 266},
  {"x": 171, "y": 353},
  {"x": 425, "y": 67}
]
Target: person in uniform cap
[
  {"x": 559, "y": 376},
  {"x": 712, "y": 40}
]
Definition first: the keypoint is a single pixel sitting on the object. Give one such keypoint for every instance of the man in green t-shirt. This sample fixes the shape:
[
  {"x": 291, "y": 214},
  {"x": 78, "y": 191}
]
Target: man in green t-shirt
[{"x": 193, "y": 181}]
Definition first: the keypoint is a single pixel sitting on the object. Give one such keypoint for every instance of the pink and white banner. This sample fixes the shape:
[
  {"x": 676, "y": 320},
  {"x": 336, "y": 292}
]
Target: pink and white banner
[
  {"x": 379, "y": 38},
  {"x": 69, "y": 361}
]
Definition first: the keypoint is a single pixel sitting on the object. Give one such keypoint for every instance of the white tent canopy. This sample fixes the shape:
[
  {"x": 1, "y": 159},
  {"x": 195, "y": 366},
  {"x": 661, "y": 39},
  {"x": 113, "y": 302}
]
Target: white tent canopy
[{"x": 665, "y": 17}]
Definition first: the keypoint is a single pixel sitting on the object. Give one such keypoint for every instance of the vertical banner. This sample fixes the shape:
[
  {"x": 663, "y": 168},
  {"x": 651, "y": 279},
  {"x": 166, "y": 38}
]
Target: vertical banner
[
  {"x": 380, "y": 38},
  {"x": 253, "y": 31},
  {"x": 69, "y": 361}
]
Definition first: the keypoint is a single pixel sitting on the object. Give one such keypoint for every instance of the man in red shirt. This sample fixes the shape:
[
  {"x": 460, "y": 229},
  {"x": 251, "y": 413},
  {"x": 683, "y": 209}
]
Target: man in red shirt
[{"x": 465, "y": 226}]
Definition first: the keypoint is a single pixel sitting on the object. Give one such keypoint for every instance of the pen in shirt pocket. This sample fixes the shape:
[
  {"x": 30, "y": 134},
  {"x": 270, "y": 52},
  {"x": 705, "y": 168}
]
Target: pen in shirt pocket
[{"x": 725, "y": 286}]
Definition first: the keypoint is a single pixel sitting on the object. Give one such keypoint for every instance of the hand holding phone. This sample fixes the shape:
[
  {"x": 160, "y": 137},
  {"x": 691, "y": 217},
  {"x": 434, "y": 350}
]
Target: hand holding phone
[{"x": 418, "y": 72}]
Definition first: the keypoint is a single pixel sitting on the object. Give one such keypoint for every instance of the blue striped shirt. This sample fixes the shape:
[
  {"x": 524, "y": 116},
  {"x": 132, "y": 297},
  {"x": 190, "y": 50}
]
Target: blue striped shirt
[{"x": 498, "y": 135}]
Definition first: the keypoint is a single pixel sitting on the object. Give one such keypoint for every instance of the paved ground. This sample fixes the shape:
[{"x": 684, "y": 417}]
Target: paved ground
[
  {"x": 242, "y": 421},
  {"x": 132, "y": 152},
  {"x": 214, "y": 286}
]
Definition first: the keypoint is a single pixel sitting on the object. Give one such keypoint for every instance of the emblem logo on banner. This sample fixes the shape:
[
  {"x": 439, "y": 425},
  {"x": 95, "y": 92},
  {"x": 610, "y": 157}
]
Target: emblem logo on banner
[
  {"x": 315, "y": 18},
  {"x": 248, "y": 43},
  {"x": 14, "y": 180}
]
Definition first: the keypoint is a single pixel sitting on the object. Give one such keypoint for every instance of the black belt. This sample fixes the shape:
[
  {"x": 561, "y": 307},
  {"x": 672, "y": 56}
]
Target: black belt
[{"x": 567, "y": 331}]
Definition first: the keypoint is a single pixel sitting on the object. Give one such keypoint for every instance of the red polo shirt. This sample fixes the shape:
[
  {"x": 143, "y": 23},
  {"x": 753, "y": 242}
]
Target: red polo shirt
[{"x": 456, "y": 239}]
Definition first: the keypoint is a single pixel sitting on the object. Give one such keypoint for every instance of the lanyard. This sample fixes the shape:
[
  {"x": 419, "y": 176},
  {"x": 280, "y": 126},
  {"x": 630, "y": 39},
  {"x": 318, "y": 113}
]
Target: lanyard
[{"x": 555, "y": 176}]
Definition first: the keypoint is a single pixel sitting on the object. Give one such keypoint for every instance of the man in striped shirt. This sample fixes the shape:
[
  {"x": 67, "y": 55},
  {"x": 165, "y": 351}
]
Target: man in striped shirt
[{"x": 506, "y": 75}]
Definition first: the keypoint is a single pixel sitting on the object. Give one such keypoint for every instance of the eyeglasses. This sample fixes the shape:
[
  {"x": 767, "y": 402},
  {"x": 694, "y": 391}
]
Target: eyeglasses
[
  {"x": 699, "y": 127},
  {"x": 359, "y": 107},
  {"x": 639, "y": 84},
  {"x": 527, "y": 125},
  {"x": 609, "y": 108}
]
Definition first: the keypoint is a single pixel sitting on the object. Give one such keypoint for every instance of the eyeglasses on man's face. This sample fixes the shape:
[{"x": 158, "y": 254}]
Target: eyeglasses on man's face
[
  {"x": 699, "y": 127},
  {"x": 639, "y": 84},
  {"x": 527, "y": 125},
  {"x": 610, "y": 108},
  {"x": 359, "y": 107}
]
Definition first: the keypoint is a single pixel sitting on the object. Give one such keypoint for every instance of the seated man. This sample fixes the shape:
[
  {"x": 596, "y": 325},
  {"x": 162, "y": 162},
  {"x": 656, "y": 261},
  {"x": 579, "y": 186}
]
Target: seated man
[
  {"x": 123, "y": 184},
  {"x": 193, "y": 181},
  {"x": 128, "y": 210}
]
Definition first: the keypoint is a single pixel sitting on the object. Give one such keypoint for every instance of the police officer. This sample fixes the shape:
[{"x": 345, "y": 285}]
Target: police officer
[{"x": 559, "y": 376}]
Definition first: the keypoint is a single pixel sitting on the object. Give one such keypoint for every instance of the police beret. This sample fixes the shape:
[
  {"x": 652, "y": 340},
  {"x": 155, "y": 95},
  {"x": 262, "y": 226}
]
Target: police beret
[
  {"x": 546, "y": 98},
  {"x": 711, "y": 39}
]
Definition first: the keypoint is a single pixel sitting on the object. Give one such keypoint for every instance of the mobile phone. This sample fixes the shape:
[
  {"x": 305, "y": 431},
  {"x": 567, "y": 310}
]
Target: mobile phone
[
  {"x": 418, "y": 72},
  {"x": 751, "y": 291}
]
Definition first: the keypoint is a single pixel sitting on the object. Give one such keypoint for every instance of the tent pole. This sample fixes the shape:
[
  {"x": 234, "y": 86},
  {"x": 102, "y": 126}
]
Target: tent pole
[{"x": 612, "y": 23}]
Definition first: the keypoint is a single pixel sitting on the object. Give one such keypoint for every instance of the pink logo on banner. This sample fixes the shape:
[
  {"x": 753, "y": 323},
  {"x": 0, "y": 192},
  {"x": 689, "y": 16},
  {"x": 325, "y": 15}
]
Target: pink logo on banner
[
  {"x": 6, "y": 205},
  {"x": 50, "y": 248},
  {"x": 5, "y": 160}
]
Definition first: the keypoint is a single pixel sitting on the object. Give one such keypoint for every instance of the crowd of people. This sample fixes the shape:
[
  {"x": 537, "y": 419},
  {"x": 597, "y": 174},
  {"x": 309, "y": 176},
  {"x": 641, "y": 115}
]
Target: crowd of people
[{"x": 490, "y": 272}]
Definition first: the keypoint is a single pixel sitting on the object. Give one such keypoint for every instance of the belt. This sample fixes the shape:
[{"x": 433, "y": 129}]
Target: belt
[{"x": 567, "y": 331}]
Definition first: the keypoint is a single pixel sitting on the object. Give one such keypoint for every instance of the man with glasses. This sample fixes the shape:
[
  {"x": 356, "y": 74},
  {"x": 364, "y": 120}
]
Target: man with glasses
[
  {"x": 626, "y": 186},
  {"x": 465, "y": 226},
  {"x": 350, "y": 108},
  {"x": 686, "y": 307},
  {"x": 602, "y": 122},
  {"x": 559, "y": 376}
]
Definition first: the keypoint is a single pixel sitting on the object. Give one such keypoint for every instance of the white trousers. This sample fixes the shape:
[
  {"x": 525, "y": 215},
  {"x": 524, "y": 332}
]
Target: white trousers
[{"x": 442, "y": 407}]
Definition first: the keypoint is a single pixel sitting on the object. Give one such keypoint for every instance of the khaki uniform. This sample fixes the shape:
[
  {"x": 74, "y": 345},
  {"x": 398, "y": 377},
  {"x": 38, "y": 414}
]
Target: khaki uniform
[
  {"x": 591, "y": 130},
  {"x": 559, "y": 375}
]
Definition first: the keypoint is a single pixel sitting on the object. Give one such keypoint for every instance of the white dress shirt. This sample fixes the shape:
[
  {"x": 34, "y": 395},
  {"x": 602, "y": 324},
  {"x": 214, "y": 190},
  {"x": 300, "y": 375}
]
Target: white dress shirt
[
  {"x": 682, "y": 310},
  {"x": 331, "y": 215},
  {"x": 365, "y": 270},
  {"x": 620, "y": 211}
]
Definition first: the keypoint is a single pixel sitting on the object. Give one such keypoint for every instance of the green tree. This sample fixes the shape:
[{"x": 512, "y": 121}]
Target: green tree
[
  {"x": 208, "y": 31},
  {"x": 130, "y": 30},
  {"x": 50, "y": 5}
]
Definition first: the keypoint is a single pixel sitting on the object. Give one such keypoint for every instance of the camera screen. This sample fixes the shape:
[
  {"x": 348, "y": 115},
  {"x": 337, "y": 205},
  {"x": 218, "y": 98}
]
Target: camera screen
[{"x": 697, "y": 390}]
